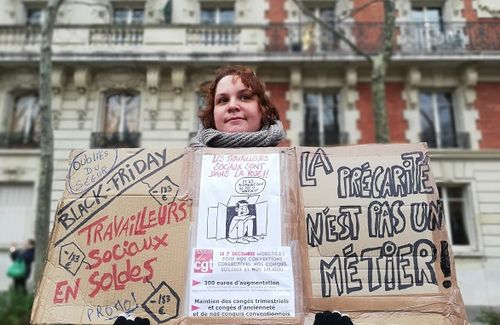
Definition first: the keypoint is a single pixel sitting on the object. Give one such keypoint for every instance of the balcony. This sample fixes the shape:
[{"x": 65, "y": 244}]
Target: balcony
[
  {"x": 437, "y": 38},
  {"x": 98, "y": 41},
  {"x": 19, "y": 140},
  {"x": 115, "y": 140}
]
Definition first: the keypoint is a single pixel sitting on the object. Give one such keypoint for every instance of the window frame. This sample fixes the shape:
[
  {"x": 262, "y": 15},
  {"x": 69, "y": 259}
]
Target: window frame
[
  {"x": 469, "y": 221},
  {"x": 32, "y": 140},
  {"x": 217, "y": 8},
  {"x": 100, "y": 138},
  {"x": 103, "y": 115},
  {"x": 39, "y": 7},
  {"x": 429, "y": 26},
  {"x": 436, "y": 122},
  {"x": 129, "y": 9},
  {"x": 27, "y": 231},
  {"x": 199, "y": 98},
  {"x": 321, "y": 110}
]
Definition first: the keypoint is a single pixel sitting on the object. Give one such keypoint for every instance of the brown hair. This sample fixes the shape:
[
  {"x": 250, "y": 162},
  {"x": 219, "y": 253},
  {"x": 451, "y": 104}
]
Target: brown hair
[{"x": 249, "y": 79}]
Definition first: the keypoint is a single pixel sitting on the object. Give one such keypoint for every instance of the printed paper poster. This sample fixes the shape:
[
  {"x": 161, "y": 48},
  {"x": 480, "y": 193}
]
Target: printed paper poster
[
  {"x": 239, "y": 201},
  {"x": 240, "y": 282}
]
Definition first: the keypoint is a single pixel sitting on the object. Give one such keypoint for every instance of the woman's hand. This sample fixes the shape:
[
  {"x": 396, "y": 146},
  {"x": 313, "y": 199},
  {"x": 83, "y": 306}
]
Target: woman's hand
[
  {"x": 137, "y": 321},
  {"x": 329, "y": 318}
]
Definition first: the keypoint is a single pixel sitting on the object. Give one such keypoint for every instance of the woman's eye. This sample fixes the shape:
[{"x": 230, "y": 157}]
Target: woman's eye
[{"x": 221, "y": 100}]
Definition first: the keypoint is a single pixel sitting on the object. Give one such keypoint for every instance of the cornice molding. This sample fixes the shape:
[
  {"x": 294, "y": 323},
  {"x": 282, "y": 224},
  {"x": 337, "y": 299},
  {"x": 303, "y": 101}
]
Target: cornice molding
[{"x": 457, "y": 154}]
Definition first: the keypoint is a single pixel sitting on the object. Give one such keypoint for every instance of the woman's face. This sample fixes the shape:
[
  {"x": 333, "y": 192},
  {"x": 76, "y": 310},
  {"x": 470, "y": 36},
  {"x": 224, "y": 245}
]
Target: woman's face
[{"x": 236, "y": 107}]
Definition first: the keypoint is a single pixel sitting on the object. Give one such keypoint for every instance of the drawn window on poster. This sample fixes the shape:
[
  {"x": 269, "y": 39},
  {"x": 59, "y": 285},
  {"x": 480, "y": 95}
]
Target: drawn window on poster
[
  {"x": 242, "y": 220},
  {"x": 239, "y": 200}
]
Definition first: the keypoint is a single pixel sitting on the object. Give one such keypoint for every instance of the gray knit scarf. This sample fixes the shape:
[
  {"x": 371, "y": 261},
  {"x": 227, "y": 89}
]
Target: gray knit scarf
[{"x": 268, "y": 136}]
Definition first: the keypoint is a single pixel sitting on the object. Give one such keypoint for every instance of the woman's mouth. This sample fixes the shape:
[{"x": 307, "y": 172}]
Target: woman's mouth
[{"x": 235, "y": 118}]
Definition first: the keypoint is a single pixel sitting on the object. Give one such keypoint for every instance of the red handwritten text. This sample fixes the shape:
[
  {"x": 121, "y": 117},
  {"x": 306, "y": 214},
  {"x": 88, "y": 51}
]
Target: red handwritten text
[
  {"x": 136, "y": 224},
  {"x": 116, "y": 280},
  {"x": 64, "y": 291},
  {"x": 130, "y": 249}
]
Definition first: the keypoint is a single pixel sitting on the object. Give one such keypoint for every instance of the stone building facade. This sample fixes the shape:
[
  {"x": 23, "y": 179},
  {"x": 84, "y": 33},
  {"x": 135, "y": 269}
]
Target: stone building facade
[{"x": 128, "y": 73}]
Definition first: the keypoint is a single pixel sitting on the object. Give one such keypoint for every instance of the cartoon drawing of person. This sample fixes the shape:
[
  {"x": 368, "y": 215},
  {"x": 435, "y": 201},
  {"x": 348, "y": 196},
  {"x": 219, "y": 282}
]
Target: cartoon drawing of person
[{"x": 241, "y": 228}]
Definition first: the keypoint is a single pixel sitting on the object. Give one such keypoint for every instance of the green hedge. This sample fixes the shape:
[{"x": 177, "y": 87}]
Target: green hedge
[
  {"x": 489, "y": 317},
  {"x": 15, "y": 307}
]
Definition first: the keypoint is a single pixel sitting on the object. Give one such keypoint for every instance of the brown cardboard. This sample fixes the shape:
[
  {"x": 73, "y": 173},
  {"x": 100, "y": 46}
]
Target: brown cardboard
[
  {"x": 161, "y": 188},
  {"x": 363, "y": 253},
  {"x": 120, "y": 239}
]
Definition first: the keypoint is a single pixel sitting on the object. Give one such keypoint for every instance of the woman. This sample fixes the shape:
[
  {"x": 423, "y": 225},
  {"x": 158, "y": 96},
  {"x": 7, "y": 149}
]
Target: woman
[{"x": 238, "y": 113}]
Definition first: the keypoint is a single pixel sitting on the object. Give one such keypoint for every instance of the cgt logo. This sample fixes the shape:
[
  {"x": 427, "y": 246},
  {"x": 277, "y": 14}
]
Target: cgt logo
[{"x": 203, "y": 260}]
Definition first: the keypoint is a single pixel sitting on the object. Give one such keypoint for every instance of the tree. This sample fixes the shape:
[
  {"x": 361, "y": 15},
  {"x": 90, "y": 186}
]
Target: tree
[
  {"x": 42, "y": 218},
  {"x": 378, "y": 61},
  {"x": 44, "y": 190}
]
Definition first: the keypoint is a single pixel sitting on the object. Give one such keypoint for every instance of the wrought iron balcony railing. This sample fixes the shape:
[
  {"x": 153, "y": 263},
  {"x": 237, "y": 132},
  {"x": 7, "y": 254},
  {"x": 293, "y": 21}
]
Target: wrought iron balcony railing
[
  {"x": 19, "y": 140},
  {"x": 409, "y": 38},
  {"x": 323, "y": 139},
  {"x": 294, "y": 38},
  {"x": 115, "y": 140}
]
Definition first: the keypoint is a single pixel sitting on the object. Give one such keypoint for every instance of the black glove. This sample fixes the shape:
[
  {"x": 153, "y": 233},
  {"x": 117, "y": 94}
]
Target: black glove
[
  {"x": 329, "y": 318},
  {"x": 137, "y": 321}
]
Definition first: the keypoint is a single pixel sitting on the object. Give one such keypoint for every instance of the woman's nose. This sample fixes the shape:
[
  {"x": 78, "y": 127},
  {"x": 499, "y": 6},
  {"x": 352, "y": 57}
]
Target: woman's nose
[{"x": 233, "y": 105}]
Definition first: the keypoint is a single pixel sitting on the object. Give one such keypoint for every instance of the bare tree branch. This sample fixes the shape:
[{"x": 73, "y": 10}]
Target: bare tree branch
[{"x": 331, "y": 29}]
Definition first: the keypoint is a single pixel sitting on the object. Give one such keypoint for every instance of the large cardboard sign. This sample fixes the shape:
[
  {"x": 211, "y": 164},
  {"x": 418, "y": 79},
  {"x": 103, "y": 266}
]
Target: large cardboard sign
[
  {"x": 210, "y": 235},
  {"x": 120, "y": 231},
  {"x": 374, "y": 229}
]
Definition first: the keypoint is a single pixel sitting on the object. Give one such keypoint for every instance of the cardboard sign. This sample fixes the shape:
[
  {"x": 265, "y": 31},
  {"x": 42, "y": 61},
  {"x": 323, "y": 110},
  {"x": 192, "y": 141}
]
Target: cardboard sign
[
  {"x": 364, "y": 222},
  {"x": 120, "y": 231},
  {"x": 375, "y": 232}
]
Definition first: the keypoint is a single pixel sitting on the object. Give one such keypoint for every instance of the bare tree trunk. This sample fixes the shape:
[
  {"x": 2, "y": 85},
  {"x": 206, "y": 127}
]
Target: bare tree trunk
[
  {"x": 44, "y": 190},
  {"x": 379, "y": 70}
]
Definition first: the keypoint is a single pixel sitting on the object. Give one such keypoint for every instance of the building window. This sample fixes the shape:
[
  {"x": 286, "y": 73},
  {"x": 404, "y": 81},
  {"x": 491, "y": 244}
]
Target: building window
[
  {"x": 314, "y": 37},
  {"x": 321, "y": 124},
  {"x": 437, "y": 120},
  {"x": 426, "y": 27},
  {"x": 456, "y": 213},
  {"x": 217, "y": 16},
  {"x": 120, "y": 122},
  {"x": 427, "y": 15},
  {"x": 17, "y": 211},
  {"x": 122, "y": 113},
  {"x": 34, "y": 16},
  {"x": 200, "y": 104},
  {"x": 128, "y": 15},
  {"x": 23, "y": 123}
]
